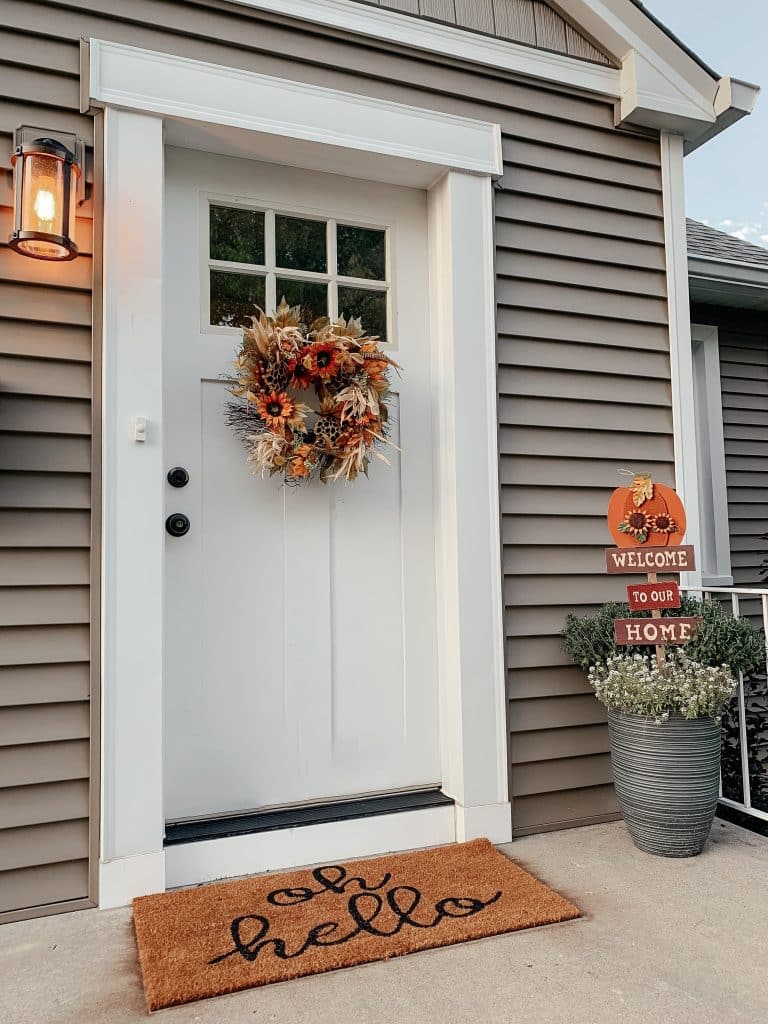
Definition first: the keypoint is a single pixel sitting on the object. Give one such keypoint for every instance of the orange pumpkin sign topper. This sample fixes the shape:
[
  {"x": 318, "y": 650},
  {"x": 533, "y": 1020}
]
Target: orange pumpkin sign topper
[{"x": 646, "y": 514}]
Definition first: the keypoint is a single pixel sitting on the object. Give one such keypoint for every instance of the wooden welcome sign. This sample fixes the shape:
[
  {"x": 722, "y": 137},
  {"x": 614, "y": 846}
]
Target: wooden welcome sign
[{"x": 647, "y": 521}]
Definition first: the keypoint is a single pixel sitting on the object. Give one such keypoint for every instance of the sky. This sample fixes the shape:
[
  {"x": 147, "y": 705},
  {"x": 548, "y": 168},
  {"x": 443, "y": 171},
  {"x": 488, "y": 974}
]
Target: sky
[{"x": 727, "y": 178}]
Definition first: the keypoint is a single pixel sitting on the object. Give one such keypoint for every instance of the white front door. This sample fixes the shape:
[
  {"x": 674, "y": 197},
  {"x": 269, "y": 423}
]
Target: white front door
[{"x": 300, "y": 659}]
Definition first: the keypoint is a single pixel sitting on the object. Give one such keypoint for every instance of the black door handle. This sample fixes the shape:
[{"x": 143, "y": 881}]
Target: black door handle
[
  {"x": 177, "y": 524},
  {"x": 178, "y": 477}
]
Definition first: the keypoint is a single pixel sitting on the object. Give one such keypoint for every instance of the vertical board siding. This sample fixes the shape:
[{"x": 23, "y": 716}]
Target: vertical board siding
[
  {"x": 533, "y": 22},
  {"x": 45, "y": 459},
  {"x": 583, "y": 384}
]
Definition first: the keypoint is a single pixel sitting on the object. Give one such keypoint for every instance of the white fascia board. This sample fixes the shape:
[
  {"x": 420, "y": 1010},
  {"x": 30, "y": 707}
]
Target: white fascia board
[
  {"x": 448, "y": 41},
  {"x": 132, "y": 78}
]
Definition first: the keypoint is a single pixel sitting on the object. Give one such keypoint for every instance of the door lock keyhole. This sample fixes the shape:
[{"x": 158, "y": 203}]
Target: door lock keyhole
[{"x": 177, "y": 524}]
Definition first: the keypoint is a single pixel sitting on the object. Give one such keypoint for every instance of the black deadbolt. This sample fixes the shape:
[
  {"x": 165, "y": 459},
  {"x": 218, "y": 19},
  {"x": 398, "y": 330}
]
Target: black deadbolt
[
  {"x": 178, "y": 477},
  {"x": 177, "y": 524}
]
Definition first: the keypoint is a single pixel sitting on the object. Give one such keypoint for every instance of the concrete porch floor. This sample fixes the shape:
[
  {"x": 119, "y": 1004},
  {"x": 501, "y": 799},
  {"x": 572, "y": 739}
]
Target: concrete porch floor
[{"x": 663, "y": 941}]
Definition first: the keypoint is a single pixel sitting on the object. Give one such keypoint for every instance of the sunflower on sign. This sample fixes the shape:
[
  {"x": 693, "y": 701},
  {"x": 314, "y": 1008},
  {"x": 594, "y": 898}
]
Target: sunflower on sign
[{"x": 283, "y": 360}]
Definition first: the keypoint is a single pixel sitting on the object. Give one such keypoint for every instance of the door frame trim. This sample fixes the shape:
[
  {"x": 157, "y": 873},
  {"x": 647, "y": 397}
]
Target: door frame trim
[{"x": 473, "y": 706}]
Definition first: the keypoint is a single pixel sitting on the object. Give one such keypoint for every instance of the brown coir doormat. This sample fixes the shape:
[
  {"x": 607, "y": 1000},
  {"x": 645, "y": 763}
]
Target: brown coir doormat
[{"x": 234, "y": 935}]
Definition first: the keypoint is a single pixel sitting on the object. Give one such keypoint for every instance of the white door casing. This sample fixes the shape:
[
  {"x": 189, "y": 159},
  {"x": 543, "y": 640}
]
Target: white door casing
[
  {"x": 301, "y": 648},
  {"x": 144, "y": 94}
]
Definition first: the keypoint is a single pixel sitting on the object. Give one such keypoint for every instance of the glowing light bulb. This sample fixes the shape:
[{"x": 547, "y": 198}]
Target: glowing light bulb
[{"x": 45, "y": 205}]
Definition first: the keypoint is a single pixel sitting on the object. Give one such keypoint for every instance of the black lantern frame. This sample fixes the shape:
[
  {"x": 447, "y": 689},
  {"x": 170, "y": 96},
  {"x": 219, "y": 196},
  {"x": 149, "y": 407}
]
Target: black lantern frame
[{"x": 27, "y": 238}]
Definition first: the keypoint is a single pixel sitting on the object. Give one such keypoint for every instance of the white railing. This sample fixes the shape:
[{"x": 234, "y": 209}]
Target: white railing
[{"x": 737, "y": 595}]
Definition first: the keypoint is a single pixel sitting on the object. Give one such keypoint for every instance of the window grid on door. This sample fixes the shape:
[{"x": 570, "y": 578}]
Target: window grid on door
[{"x": 231, "y": 295}]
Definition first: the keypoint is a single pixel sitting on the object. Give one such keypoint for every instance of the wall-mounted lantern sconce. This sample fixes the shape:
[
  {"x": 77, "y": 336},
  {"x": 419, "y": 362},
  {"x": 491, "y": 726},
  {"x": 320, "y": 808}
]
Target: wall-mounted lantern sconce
[{"x": 47, "y": 187}]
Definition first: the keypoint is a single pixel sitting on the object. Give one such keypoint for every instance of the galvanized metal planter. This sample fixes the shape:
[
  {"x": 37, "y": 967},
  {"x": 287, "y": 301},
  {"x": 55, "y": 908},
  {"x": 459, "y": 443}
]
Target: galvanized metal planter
[{"x": 667, "y": 780}]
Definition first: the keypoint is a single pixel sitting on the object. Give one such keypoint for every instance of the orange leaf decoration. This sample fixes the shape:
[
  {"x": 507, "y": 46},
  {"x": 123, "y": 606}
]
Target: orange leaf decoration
[{"x": 642, "y": 489}]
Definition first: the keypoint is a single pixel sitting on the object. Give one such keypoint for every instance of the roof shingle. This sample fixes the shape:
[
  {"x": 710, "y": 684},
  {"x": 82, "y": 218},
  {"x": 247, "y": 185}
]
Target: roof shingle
[{"x": 717, "y": 245}]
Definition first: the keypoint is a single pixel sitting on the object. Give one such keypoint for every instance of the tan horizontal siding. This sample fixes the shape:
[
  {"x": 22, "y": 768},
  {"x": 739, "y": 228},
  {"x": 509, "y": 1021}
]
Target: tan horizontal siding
[
  {"x": 571, "y": 163},
  {"x": 39, "y": 886},
  {"x": 35, "y": 805},
  {"x": 44, "y": 605},
  {"x": 553, "y": 240},
  {"x": 41, "y": 645},
  {"x": 36, "y": 724},
  {"x": 545, "y": 744},
  {"x": 542, "y": 682},
  {"x": 44, "y": 414},
  {"x": 44, "y": 527},
  {"x": 43, "y": 684},
  {"x": 45, "y": 497},
  {"x": 28, "y": 765},
  {"x": 44, "y": 490},
  {"x": 559, "y": 270},
  {"x": 565, "y": 808},
  {"x": 583, "y": 392},
  {"x": 546, "y": 776}
]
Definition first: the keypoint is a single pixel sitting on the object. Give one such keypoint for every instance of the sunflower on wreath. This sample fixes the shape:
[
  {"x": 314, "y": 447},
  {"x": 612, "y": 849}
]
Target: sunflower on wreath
[{"x": 284, "y": 360}]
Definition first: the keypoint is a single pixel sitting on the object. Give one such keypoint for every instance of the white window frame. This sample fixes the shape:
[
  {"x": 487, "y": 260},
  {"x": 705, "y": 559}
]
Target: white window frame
[
  {"x": 144, "y": 93},
  {"x": 270, "y": 270},
  {"x": 715, "y": 542}
]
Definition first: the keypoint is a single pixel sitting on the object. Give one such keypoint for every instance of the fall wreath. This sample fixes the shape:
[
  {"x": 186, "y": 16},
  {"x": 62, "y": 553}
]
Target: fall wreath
[{"x": 333, "y": 365}]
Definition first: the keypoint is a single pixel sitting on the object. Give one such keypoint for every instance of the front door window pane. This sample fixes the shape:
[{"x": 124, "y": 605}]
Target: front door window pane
[
  {"x": 237, "y": 235},
  {"x": 312, "y": 296},
  {"x": 234, "y": 298},
  {"x": 301, "y": 244},
  {"x": 361, "y": 252},
  {"x": 369, "y": 305}
]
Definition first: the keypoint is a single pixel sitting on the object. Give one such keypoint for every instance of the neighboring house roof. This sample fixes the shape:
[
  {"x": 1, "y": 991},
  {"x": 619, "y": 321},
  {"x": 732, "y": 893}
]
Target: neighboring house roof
[
  {"x": 717, "y": 245},
  {"x": 725, "y": 271}
]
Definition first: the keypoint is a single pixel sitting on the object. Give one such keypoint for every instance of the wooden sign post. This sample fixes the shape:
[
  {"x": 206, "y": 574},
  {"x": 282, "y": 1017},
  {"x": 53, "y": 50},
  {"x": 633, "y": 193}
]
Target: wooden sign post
[{"x": 647, "y": 521}]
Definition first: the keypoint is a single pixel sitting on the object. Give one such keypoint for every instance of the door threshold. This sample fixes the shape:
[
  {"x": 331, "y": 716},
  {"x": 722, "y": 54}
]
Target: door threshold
[{"x": 293, "y": 817}]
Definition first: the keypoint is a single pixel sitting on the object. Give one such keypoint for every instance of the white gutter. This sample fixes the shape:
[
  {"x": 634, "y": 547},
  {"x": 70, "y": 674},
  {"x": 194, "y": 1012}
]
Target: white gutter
[{"x": 728, "y": 272}]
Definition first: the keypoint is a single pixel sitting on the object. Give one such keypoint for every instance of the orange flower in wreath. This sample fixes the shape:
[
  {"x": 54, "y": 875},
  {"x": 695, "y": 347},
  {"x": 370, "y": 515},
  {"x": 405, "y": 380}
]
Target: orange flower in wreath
[
  {"x": 322, "y": 361},
  {"x": 279, "y": 411},
  {"x": 299, "y": 374}
]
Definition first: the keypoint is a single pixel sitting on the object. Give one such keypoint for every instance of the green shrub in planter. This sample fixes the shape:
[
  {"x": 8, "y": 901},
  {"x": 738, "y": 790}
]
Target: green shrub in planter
[
  {"x": 664, "y": 721},
  {"x": 723, "y": 640}
]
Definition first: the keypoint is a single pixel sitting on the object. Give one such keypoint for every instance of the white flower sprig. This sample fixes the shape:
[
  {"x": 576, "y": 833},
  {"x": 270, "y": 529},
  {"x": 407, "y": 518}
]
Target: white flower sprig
[{"x": 637, "y": 685}]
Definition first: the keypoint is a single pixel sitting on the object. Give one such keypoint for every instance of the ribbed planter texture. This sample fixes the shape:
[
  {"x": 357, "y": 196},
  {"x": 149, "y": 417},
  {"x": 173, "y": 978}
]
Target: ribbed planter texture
[{"x": 667, "y": 780}]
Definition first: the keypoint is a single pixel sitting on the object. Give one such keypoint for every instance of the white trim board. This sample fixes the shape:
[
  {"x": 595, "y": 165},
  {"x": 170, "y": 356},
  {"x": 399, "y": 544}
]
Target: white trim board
[
  {"x": 178, "y": 87},
  {"x": 715, "y": 553},
  {"x": 468, "y": 547},
  {"x": 211, "y": 859},
  {"x": 680, "y": 354}
]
